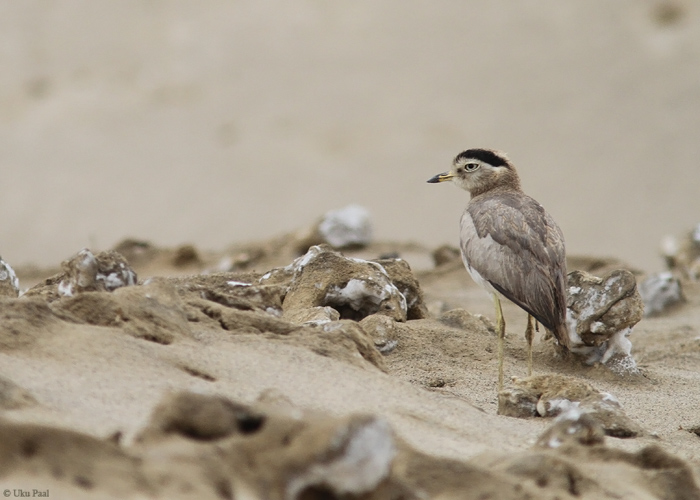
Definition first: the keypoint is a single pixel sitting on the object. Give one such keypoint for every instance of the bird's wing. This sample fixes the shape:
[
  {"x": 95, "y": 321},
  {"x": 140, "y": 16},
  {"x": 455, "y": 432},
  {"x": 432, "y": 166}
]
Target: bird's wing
[{"x": 511, "y": 241}]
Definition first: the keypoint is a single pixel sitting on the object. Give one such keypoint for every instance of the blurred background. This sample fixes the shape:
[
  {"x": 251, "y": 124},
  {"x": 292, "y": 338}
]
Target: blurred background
[{"x": 219, "y": 121}]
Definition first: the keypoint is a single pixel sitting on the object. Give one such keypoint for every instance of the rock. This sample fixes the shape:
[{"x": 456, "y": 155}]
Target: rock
[
  {"x": 446, "y": 254},
  {"x": 551, "y": 395},
  {"x": 659, "y": 292},
  {"x": 382, "y": 330},
  {"x": 355, "y": 288},
  {"x": 150, "y": 259},
  {"x": 236, "y": 320},
  {"x": 596, "y": 472},
  {"x": 543, "y": 395},
  {"x": 572, "y": 427},
  {"x": 280, "y": 452},
  {"x": 517, "y": 403},
  {"x": 356, "y": 458},
  {"x": 356, "y": 344},
  {"x": 236, "y": 290},
  {"x": 346, "y": 227},
  {"x": 83, "y": 465},
  {"x": 402, "y": 277},
  {"x": 152, "y": 312},
  {"x": 600, "y": 307},
  {"x": 137, "y": 252},
  {"x": 343, "y": 340},
  {"x": 200, "y": 417},
  {"x": 186, "y": 255},
  {"x": 313, "y": 315},
  {"x": 284, "y": 276},
  {"x": 683, "y": 254},
  {"x": 104, "y": 272},
  {"x": 600, "y": 266},
  {"x": 600, "y": 314},
  {"x": 241, "y": 259},
  {"x": 9, "y": 284},
  {"x": 464, "y": 320}
]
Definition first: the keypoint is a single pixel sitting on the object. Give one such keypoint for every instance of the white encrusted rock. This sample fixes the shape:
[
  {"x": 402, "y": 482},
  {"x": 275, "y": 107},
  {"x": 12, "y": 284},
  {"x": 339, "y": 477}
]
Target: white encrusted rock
[
  {"x": 86, "y": 272},
  {"x": 659, "y": 292},
  {"x": 683, "y": 254},
  {"x": 355, "y": 288},
  {"x": 553, "y": 395},
  {"x": 573, "y": 426},
  {"x": 600, "y": 315},
  {"x": 9, "y": 284},
  {"x": 346, "y": 227},
  {"x": 358, "y": 458}
]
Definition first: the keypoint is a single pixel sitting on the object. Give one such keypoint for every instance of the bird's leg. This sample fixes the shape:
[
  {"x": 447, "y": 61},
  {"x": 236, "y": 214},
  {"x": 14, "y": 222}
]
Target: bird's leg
[
  {"x": 529, "y": 335},
  {"x": 501, "y": 325}
]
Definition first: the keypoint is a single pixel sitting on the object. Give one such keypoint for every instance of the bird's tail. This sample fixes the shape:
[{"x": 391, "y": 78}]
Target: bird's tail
[{"x": 561, "y": 332}]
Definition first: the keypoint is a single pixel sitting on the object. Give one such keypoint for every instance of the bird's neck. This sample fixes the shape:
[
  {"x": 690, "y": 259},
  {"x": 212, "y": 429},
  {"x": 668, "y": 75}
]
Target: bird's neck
[{"x": 509, "y": 183}]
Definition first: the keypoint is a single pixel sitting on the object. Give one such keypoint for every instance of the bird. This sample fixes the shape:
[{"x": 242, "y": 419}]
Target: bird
[{"x": 510, "y": 245}]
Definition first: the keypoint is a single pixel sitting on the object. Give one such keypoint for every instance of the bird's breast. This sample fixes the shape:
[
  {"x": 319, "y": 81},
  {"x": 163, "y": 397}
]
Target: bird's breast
[{"x": 476, "y": 276}]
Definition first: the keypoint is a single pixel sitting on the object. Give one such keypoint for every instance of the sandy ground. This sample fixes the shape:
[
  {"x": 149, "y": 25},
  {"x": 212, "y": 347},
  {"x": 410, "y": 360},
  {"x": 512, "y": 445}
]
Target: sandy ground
[
  {"x": 181, "y": 122},
  {"x": 192, "y": 386},
  {"x": 231, "y": 124}
]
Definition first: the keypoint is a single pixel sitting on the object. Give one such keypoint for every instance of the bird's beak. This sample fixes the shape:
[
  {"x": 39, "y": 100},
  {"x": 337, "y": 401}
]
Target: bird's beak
[{"x": 445, "y": 176}]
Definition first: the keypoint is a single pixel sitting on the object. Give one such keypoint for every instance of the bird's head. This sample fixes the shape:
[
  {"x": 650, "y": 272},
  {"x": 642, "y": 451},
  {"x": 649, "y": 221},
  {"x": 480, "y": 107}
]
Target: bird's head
[{"x": 481, "y": 170}]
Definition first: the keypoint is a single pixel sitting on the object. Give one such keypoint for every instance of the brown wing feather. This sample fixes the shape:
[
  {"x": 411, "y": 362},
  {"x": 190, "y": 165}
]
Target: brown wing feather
[{"x": 514, "y": 244}]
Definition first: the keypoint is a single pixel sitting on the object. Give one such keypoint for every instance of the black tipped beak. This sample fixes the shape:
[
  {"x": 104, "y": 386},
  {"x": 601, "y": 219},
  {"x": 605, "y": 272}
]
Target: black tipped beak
[{"x": 445, "y": 176}]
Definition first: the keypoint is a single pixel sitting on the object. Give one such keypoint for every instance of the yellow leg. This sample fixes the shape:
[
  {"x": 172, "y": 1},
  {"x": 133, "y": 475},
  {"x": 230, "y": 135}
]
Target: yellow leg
[
  {"x": 501, "y": 325},
  {"x": 529, "y": 335}
]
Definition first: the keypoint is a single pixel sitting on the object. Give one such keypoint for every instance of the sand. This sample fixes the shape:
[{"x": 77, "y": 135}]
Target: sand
[
  {"x": 211, "y": 133},
  {"x": 177, "y": 122},
  {"x": 193, "y": 385}
]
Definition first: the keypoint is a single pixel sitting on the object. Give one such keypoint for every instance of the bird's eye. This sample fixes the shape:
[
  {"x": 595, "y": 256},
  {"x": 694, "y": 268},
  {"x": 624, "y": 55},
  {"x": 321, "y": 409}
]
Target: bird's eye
[{"x": 470, "y": 167}]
